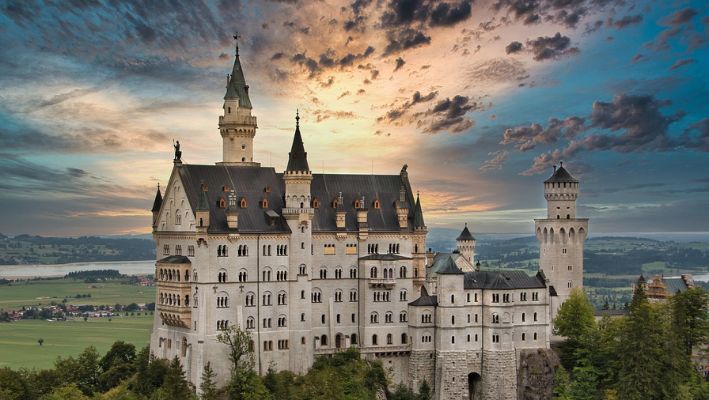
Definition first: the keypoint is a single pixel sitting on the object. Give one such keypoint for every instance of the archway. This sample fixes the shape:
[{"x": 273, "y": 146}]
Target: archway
[
  {"x": 475, "y": 386},
  {"x": 338, "y": 341}
]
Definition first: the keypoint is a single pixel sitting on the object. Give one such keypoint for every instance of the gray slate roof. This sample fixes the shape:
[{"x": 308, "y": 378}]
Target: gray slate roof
[
  {"x": 158, "y": 201},
  {"x": 425, "y": 299},
  {"x": 297, "y": 158},
  {"x": 502, "y": 280},
  {"x": 175, "y": 260},
  {"x": 237, "y": 87},
  {"x": 561, "y": 175},
  {"x": 465, "y": 235},
  {"x": 445, "y": 266},
  {"x": 675, "y": 285},
  {"x": 250, "y": 182}
]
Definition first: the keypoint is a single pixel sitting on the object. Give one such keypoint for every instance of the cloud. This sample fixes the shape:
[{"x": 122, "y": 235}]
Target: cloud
[
  {"x": 637, "y": 120},
  {"x": 322, "y": 115},
  {"x": 681, "y": 63},
  {"x": 398, "y": 112},
  {"x": 449, "y": 115},
  {"x": 405, "y": 39},
  {"x": 496, "y": 162},
  {"x": 567, "y": 12},
  {"x": 681, "y": 17},
  {"x": 496, "y": 70},
  {"x": 626, "y": 21},
  {"x": 551, "y": 47},
  {"x": 445, "y": 14},
  {"x": 399, "y": 63},
  {"x": 513, "y": 47},
  {"x": 433, "y": 13}
]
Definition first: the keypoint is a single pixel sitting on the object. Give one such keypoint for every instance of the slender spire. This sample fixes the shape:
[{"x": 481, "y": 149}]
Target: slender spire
[
  {"x": 158, "y": 200},
  {"x": 418, "y": 214},
  {"x": 236, "y": 87},
  {"x": 297, "y": 158}
]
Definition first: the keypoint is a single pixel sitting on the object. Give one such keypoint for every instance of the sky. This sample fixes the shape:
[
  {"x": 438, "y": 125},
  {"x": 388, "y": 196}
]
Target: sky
[{"x": 479, "y": 98}]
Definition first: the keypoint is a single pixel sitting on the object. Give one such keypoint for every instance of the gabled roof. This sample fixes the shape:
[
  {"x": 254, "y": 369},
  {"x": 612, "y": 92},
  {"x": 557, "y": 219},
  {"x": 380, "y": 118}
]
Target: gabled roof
[
  {"x": 175, "y": 260},
  {"x": 250, "y": 184},
  {"x": 158, "y": 201},
  {"x": 465, "y": 235},
  {"x": 445, "y": 265},
  {"x": 297, "y": 158},
  {"x": 561, "y": 175},
  {"x": 425, "y": 299},
  {"x": 502, "y": 280},
  {"x": 237, "y": 88}
]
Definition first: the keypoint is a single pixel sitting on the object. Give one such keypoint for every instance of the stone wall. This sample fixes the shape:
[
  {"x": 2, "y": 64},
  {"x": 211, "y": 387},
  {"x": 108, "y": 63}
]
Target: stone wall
[
  {"x": 499, "y": 377},
  {"x": 422, "y": 366},
  {"x": 535, "y": 379},
  {"x": 452, "y": 380}
]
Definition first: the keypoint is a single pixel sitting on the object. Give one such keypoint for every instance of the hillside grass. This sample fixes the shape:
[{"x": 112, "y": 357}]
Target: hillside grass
[
  {"x": 19, "y": 347},
  {"x": 43, "y": 292}
]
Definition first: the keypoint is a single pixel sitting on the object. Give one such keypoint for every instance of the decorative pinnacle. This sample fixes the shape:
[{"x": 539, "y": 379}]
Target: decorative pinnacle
[
  {"x": 561, "y": 163},
  {"x": 297, "y": 118},
  {"x": 236, "y": 39}
]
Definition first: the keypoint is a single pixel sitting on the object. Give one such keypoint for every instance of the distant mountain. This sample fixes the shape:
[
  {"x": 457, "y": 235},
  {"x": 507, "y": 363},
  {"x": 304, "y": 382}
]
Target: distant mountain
[{"x": 28, "y": 249}]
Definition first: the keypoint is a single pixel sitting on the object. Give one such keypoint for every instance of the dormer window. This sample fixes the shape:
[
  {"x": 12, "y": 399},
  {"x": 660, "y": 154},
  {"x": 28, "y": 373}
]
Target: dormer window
[
  {"x": 316, "y": 203},
  {"x": 221, "y": 203},
  {"x": 225, "y": 188},
  {"x": 377, "y": 204},
  {"x": 334, "y": 203},
  {"x": 267, "y": 189},
  {"x": 242, "y": 202},
  {"x": 264, "y": 203},
  {"x": 358, "y": 204}
]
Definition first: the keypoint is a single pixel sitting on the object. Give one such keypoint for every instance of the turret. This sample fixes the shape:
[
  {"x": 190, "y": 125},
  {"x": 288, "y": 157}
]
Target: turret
[
  {"x": 237, "y": 126},
  {"x": 466, "y": 244},
  {"x": 157, "y": 203},
  {"x": 419, "y": 225},
  {"x": 297, "y": 178}
]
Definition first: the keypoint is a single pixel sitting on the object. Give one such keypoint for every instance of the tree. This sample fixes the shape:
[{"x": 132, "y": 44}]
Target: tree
[
  {"x": 208, "y": 388},
  {"x": 240, "y": 353},
  {"x": 690, "y": 319},
  {"x": 424, "y": 391},
  {"x": 562, "y": 383},
  {"x": 576, "y": 322},
  {"x": 584, "y": 385},
  {"x": 68, "y": 392},
  {"x": 83, "y": 372},
  {"x": 175, "y": 386},
  {"x": 40, "y": 341}
]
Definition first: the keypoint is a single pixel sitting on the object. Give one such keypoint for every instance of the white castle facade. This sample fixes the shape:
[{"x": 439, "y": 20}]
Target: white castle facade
[{"x": 311, "y": 264}]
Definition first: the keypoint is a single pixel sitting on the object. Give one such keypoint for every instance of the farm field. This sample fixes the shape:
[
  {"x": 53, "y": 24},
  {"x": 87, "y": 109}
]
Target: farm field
[
  {"x": 43, "y": 292},
  {"x": 19, "y": 347}
]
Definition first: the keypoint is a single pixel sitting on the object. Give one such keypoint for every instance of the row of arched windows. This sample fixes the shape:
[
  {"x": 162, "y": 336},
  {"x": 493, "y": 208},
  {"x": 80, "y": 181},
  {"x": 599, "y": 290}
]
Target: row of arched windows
[
  {"x": 171, "y": 299},
  {"x": 282, "y": 250},
  {"x": 388, "y": 317},
  {"x": 222, "y": 250},
  {"x": 388, "y": 272},
  {"x": 172, "y": 275}
]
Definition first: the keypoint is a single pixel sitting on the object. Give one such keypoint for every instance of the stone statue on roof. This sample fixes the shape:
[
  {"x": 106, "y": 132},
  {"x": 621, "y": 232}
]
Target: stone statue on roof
[{"x": 178, "y": 152}]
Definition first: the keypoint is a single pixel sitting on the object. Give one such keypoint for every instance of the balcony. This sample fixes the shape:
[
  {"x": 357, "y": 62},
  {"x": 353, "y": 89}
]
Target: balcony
[
  {"x": 382, "y": 282},
  {"x": 177, "y": 316}
]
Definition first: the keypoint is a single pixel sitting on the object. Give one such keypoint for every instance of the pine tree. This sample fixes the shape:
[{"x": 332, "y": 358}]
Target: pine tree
[
  {"x": 424, "y": 391},
  {"x": 175, "y": 386},
  {"x": 576, "y": 322},
  {"x": 208, "y": 386},
  {"x": 562, "y": 385}
]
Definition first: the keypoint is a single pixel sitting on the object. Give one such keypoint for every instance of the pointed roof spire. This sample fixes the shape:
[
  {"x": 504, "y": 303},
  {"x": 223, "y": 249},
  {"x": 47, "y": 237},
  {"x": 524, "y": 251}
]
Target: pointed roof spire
[
  {"x": 236, "y": 87},
  {"x": 297, "y": 158},
  {"x": 465, "y": 235},
  {"x": 158, "y": 200},
  {"x": 203, "y": 204},
  {"x": 418, "y": 214},
  {"x": 561, "y": 175}
]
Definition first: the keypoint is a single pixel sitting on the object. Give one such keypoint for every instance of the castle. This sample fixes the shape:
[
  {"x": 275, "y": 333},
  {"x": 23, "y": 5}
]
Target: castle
[{"x": 311, "y": 264}]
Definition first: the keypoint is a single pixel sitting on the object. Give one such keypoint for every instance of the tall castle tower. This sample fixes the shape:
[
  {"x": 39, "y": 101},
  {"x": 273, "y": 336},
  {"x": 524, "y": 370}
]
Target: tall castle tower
[
  {"x": 237, "y": 126},
  {"x": 561, "y": 236}
]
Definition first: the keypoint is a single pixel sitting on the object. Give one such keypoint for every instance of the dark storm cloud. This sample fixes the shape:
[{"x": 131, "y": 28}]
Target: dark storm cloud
[
  {"x": 445, "y": 14},
  {"x": 514, "y": 47},
  {"x": 637, "y": 120},
  {"x": 551, "y": 47}
]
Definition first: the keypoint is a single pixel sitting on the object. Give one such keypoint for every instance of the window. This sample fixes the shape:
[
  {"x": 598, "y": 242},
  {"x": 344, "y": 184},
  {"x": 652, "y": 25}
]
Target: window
[
  {"x": 426, "y": 318},
  {"x": 267, "y": 322},
  {"x": 337, "y": 318},
  {"x": 568, "y": 284},
  {"x": 222, "y": 301},
  {"x": 373, "y": 272},
  {"x": 495, "y": 319},
  {"x": 243, "y": 276},
  {"x": 266, "y": 275},
  {"x": 402, "y": 316},
  {"x": 402, "y": 295},
  {"x": 495, "y": 298},
  {"x": 283, "y": 344},
  {"x": 316, "y": 296},
  {"x": 351, "y": 248},
  {"x": 452, "y": 339},
  {"x": 267, "y": 345},
  {"x": 535, "y": 296},
  {"x": 467, "y": 297},
  {"x": 329, "y": 249},
  {"x": 282, "y": 298},
  {"x": 506, "y": 298},
  {"x": 523, "y": 296},
  {"x": 374, "y": 318},
  {"x": 250, "y": 323},
  {"x": 190, "y": 251},
  {"x": 178, "y": 217},
  {"x": 524, "y": 337},
  {"x": 302, "y": 270},
  {"x": 338, "y": 273},
  {"x": 222, "y": 251},
  {"x": 476, "y": 297},
  {"x": 323, "y": 273},
  {"x": 353, "y": 338},
  {"x": 302, "y": 294},
  {"x": 249, "y": 299},
  {"x": 302, "y": 317},
  {"x": 374, "y": 340},
  {"x": 524, "y": 317},
  {"x": 243, "y": 250},
  {"x": 390, "y": 339},
  {"x": 495, "y": 338},
  {"x": 281, "y": 321},
  {"x": 388, "y": 317},
  {"x": 281, "y": 275},
  {"x": 353, "y": 273},
  {"x": 570, "y": 267},
  {"x": 452, "y": 319},
  {"x": 266, "y": 299},
  {"x": 221, "y": 276},
  {"x": 338, "y": 295},
  {"x": 452, "y": 299},
  {"x": 322, "y": 319},
  {"x": 404, "y": 338},
  {"x": 166, "y": 250},
  {"x": 242, "y": 203},
  {"x": 353, "y": 295},
  {"x": 535, "y": 317},
  {"x": 535, "y": 336}
]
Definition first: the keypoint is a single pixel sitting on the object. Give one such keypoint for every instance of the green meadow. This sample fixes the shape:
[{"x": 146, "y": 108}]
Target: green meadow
[
  {"x": 44, "y": 292},
  {"x": 19, "y": 347}
]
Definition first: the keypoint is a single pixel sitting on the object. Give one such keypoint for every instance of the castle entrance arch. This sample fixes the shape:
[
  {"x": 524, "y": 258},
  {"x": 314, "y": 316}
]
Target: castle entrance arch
[{"x": 475, "y": 387}]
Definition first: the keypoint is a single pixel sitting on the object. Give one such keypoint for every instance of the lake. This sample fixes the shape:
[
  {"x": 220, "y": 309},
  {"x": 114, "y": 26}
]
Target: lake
[{"x": 54, "y": 270}]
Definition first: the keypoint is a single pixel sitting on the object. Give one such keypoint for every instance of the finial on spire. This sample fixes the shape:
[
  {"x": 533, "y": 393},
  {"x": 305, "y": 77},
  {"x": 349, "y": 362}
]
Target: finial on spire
[
  {"x": 561, "y": 164},
  {"x": 236, "y": 39},
  {"x": 297, "y": 118}
]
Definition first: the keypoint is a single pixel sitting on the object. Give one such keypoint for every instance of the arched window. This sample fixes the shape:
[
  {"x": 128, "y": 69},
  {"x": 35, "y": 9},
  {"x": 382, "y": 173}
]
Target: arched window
[
  {"x": 373, "y": 272},
  {"x": 323, "y": 340},
  {"x": 374, "y": 340},
  {"x": 404, "y": 338},
  {"x": 390, "y": 339},
  {"x": 250, "y": 299},
  {"x": 402, "y": 272},
  {"x": 374, "y": 318}
]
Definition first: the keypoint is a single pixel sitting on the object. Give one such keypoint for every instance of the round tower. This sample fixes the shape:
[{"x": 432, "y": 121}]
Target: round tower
[{"x": 561, "y": 237}]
